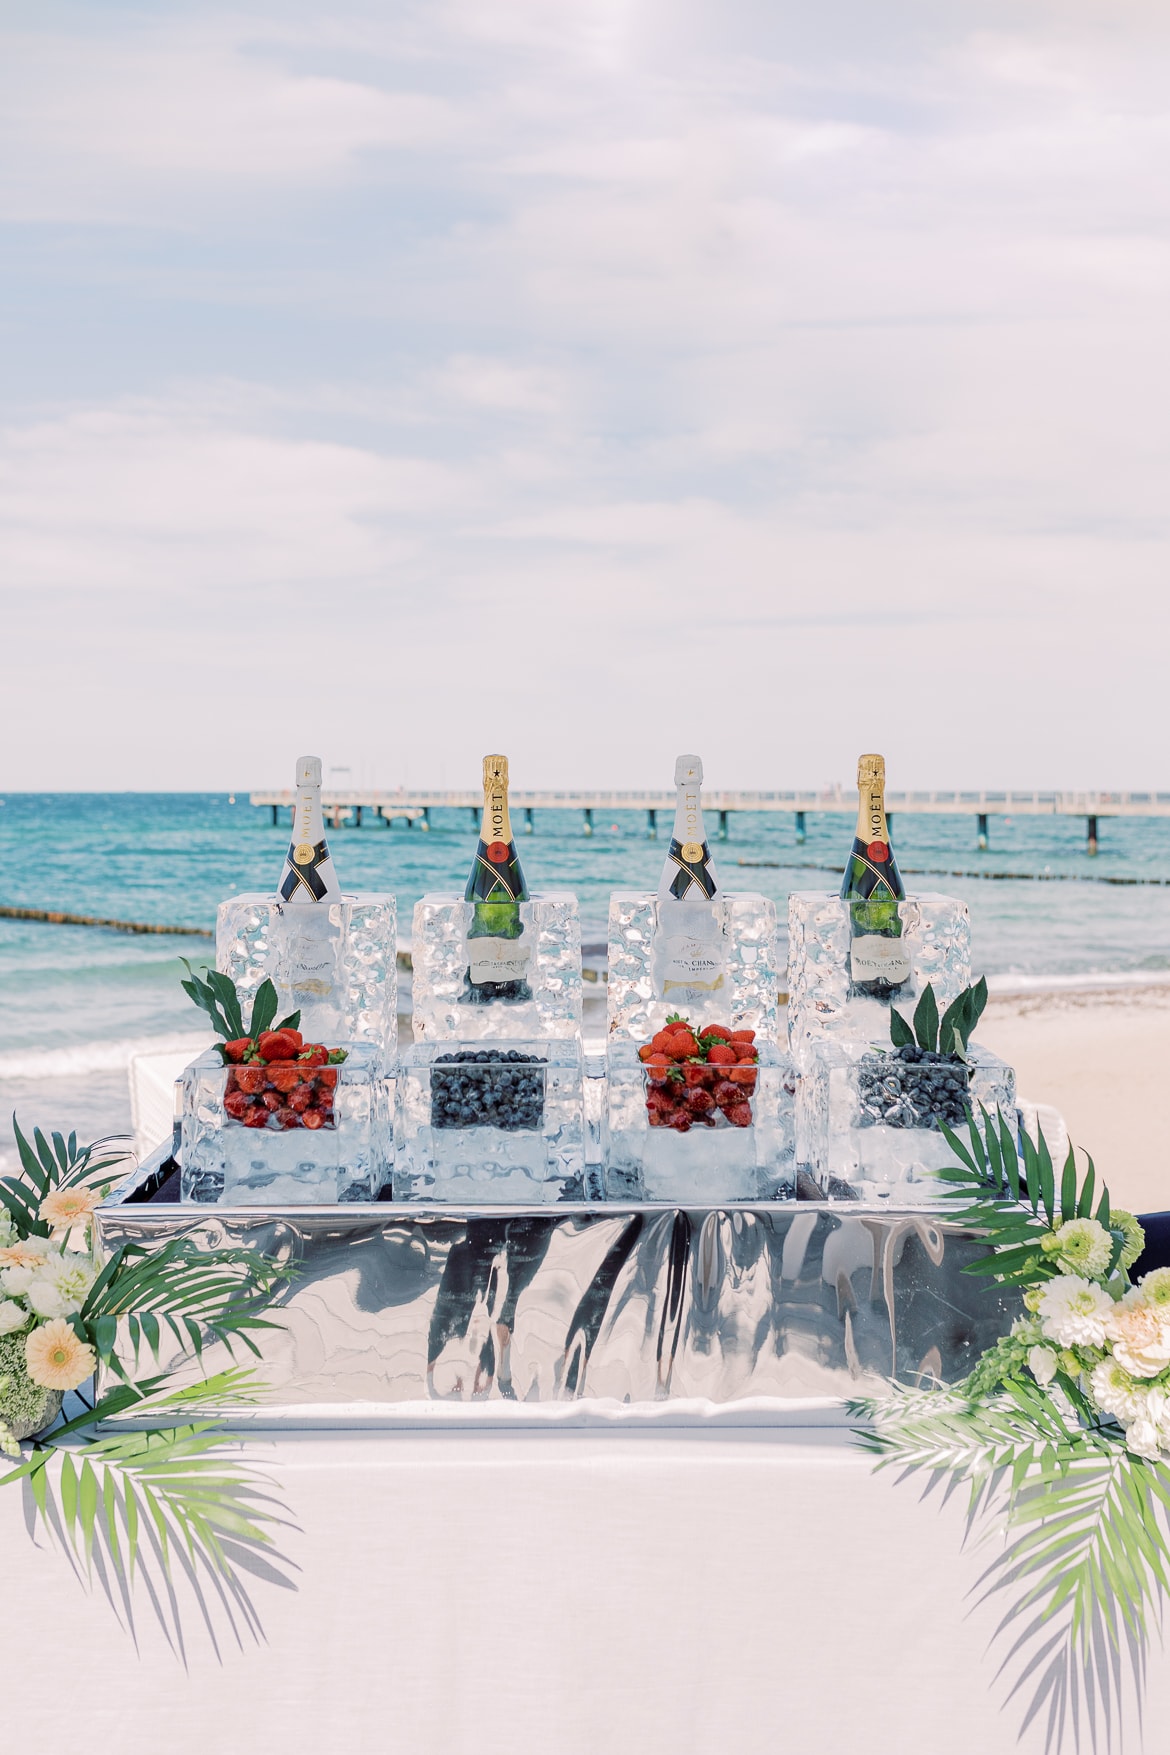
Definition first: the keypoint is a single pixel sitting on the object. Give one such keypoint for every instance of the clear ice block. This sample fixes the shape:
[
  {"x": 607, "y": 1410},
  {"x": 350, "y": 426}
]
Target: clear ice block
[
  {"x": 706, "y": 1164},
  {"x": 491, "y": 1125},
  {"x": 286, "y": 1162},
  {"x": 336, "y": 964},
  {"x": 870, "y": 1119},
  {"x": 937, "y": 933},
  {"x": 749, "y": 997},
  {"x": 440, "y": 958}
]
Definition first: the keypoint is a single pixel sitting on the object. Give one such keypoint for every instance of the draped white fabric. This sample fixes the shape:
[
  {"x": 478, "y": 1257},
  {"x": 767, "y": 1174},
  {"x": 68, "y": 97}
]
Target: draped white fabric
[{"x": 572, "y": 1593}]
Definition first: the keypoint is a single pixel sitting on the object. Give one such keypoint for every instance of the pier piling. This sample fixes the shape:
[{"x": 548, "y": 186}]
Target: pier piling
[
  {"x": 651, "y": 825},
  {"x": 587, "y": 826},
  {"x": 800, "y": 828},
  {"x": 982, "y": 822},
  {"x": 1092, "y": 841}
]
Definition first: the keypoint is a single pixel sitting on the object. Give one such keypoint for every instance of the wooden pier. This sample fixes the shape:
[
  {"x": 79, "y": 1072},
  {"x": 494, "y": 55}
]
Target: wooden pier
[{"x": 354, "y": 807}]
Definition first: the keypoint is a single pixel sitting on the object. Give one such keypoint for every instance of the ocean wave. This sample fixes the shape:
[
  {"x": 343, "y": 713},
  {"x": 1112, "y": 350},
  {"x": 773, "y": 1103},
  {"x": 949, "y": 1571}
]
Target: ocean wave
[{"x": 80, "y": 1059}]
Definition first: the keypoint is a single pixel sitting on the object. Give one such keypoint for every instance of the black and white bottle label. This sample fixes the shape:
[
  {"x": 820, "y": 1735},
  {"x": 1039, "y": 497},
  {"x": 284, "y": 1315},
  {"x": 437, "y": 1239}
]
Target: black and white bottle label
[
  {"x": 497, "y": 959},
  {"x": 875, "y": 958}
]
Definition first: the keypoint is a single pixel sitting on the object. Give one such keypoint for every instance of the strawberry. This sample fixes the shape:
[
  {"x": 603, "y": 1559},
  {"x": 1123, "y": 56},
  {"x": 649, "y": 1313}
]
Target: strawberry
[
  {"x": 722, "y": 1055},
  {"x": 725, "y": 1092},
  {"x": 313, "y": 1118},
  {"x": 301, "y": 1099},
  {"x": 257, "y": 1116},
  {"x": 277, "y": 1045},
  {"x": 743, "y": 1076},
  {"x": 287, "y": 1118},
  {"x": 718, "y": 1030},
  {"x": 658, "y": 1117},
  {"x": 237, "y": 1105},
  {"x": 657, "y": 1069},
  {"x": 739, "y": 1115},
  {"x": 249, "y": 1079},
  {"x": 327, "y": 1078},
  {"x": 743, "y": 1036},
  {"x": 696, "y": 1074},
  {"x": 237, "y": 1049},
  {"x": 699, "y": 1101},
  {"x": 746, "y": 1052},
  {"x": 293, "y": 1035},
  {"x": 661, "y": 1042},
  {"x": 645, "y": 1052},
  {"x": 313, "y": 1055},
  {"x": 271, "y": 1101},
  {"x": 284, "y": 1077},
  {"x": 684, "y": 1046},
  {"x": 680, "y": 1120}
]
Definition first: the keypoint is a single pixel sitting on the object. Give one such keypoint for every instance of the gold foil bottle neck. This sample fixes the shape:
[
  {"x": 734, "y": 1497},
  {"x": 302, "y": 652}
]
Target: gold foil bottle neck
[
  {"x": 495, "y": 772},
  {"x": 871, "y": 769}
]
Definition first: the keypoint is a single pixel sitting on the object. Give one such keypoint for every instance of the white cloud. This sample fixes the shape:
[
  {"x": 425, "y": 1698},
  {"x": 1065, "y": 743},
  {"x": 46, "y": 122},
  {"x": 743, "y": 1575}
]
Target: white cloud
[{"x": 812, "y": 361}]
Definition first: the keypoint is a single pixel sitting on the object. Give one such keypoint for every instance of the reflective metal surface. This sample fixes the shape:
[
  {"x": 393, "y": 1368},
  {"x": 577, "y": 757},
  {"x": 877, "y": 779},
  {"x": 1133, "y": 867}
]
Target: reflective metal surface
[{"x": 580, "y": 1314}]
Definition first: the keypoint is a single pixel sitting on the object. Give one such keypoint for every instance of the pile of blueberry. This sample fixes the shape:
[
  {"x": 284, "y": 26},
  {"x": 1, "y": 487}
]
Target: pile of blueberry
[
  {"x": 913, "y": 1087},
  {"x": 487, "y": 1088}
]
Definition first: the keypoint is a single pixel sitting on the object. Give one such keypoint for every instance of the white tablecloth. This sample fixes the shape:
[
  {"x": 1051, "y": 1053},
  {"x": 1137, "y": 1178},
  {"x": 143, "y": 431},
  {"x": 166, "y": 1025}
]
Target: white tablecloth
[{"x": 566, "y": 1593}]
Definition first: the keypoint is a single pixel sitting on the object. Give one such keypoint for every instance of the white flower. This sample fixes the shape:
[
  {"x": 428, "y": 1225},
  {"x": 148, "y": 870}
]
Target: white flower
[
  {"x": 1073, "y": 1312},
  {"x": 1140, "y": 1333},
  {"x": 1115, "y": 1392},
  {"x": 16, "y": 1281},
  {"x": 1142, "y": 1438},
  {"x": 61, "y": 1286},
  {"x": 1042, "y": 1364},
  {"x": 12, "y": 1316},
  {"x": 1154, "y": 1288},
  {"x": 1083, "y": 1246}
]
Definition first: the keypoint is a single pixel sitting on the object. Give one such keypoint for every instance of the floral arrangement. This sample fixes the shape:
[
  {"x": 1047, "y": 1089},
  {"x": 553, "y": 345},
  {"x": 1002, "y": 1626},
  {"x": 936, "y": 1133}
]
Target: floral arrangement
[
  {"x": 136, "y": 1496},
  {"x": 1062, "y": 1431}
]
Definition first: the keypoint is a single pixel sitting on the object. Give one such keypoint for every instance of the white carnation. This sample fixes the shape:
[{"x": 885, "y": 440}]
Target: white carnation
[
  {"x": 1115, "y": 1392},
  {"x": 12, "y": 1316},
  {"x": 1042, "y": 1364},
  {"x": 1140, "y": 1333},
  {"x": 1074, "y": 1312},
  {"x": 1143, "y": 1438},
  {"x": 61, "y": 1286},
  {"x": 16, "y": 1281}
]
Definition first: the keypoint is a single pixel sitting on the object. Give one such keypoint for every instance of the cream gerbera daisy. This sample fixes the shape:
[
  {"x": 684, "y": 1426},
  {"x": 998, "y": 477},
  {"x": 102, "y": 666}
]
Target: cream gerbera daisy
[
  {"x": 67, "y": 1207},
  {"x": 56, "y": 1359},
  {"x": 26, "y": 1252}
]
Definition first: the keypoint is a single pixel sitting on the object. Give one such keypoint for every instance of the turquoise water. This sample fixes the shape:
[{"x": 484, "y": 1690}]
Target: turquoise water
[{"x": 95, "y": 995}]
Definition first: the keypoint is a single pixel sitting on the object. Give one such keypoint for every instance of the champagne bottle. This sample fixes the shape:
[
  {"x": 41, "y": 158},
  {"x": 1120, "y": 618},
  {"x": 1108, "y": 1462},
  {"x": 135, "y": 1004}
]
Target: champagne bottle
[
  {"x": 308, "y": 877},
  {"x": 497, "y": 956},
  {"x": 689, "y": 955},
  {"x": 306, "y": 938},
  {"x": 879, "y": 964}
]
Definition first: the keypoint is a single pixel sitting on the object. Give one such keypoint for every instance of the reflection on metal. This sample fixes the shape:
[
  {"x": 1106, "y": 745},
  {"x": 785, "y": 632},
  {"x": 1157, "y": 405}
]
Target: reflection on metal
[{"x": 401, "y": 1314}]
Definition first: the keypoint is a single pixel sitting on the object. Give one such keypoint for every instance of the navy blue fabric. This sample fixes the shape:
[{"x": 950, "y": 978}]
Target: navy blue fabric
[{"x": 1156, "y": 1254}]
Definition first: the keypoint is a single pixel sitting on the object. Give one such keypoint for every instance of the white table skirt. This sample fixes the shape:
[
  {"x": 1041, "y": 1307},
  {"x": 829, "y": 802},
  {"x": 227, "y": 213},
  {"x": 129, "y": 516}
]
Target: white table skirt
[{"x": 570, "y": 1593}]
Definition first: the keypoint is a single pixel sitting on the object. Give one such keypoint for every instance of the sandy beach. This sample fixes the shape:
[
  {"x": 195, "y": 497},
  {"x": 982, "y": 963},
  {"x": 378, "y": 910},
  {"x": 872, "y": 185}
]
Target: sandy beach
[{"x": 1100, "y": 1057}]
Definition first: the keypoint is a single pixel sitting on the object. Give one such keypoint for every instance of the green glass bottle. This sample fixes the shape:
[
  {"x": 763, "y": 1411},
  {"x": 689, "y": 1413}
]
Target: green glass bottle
[
  {"x": 879, "y": 963},
  {"x": 497, "y": 952}
]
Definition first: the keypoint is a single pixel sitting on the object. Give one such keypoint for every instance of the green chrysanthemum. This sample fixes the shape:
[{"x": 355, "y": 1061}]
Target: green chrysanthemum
[
  {"x": 1135, "y": 1237},
  {"x": 1082, "y": 1246}
]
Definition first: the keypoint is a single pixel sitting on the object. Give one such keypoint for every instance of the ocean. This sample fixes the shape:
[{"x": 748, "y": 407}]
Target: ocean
[{"x": 76, "y": 1002}]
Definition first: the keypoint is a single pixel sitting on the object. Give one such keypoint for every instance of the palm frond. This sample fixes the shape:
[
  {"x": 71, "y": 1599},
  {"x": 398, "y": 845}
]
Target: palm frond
[{"x": 165, "y": 1506}]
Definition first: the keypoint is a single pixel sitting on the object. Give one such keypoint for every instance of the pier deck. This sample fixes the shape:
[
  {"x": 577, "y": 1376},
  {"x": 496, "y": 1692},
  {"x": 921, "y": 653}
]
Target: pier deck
[{"x": 414, "y": 805}]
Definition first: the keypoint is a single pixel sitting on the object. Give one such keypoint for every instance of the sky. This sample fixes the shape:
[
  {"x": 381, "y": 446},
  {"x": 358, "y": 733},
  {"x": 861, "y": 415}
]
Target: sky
[{"x": 585, "y": 379}]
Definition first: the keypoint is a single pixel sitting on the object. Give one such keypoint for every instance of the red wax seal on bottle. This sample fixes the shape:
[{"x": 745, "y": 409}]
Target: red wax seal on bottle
[
  {"x": 498, "y": 852},
  {"x": 878, "y": 852}
]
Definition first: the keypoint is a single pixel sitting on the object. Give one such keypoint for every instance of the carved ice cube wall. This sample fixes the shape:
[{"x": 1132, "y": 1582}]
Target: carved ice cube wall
[
  {"x": 439, "y": 955},
  {"x": 841, "y": 1137},
  {"x": 748, "y": 1000},
  {"x": 257, "y": 936},
  {"x": 937, "y": 932}
]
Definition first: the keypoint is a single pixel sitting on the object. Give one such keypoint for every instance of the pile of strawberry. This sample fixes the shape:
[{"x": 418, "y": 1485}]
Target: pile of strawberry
[
  {"x": 694, "y": 1077},
  {"x": 279, "y": 1080}
]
